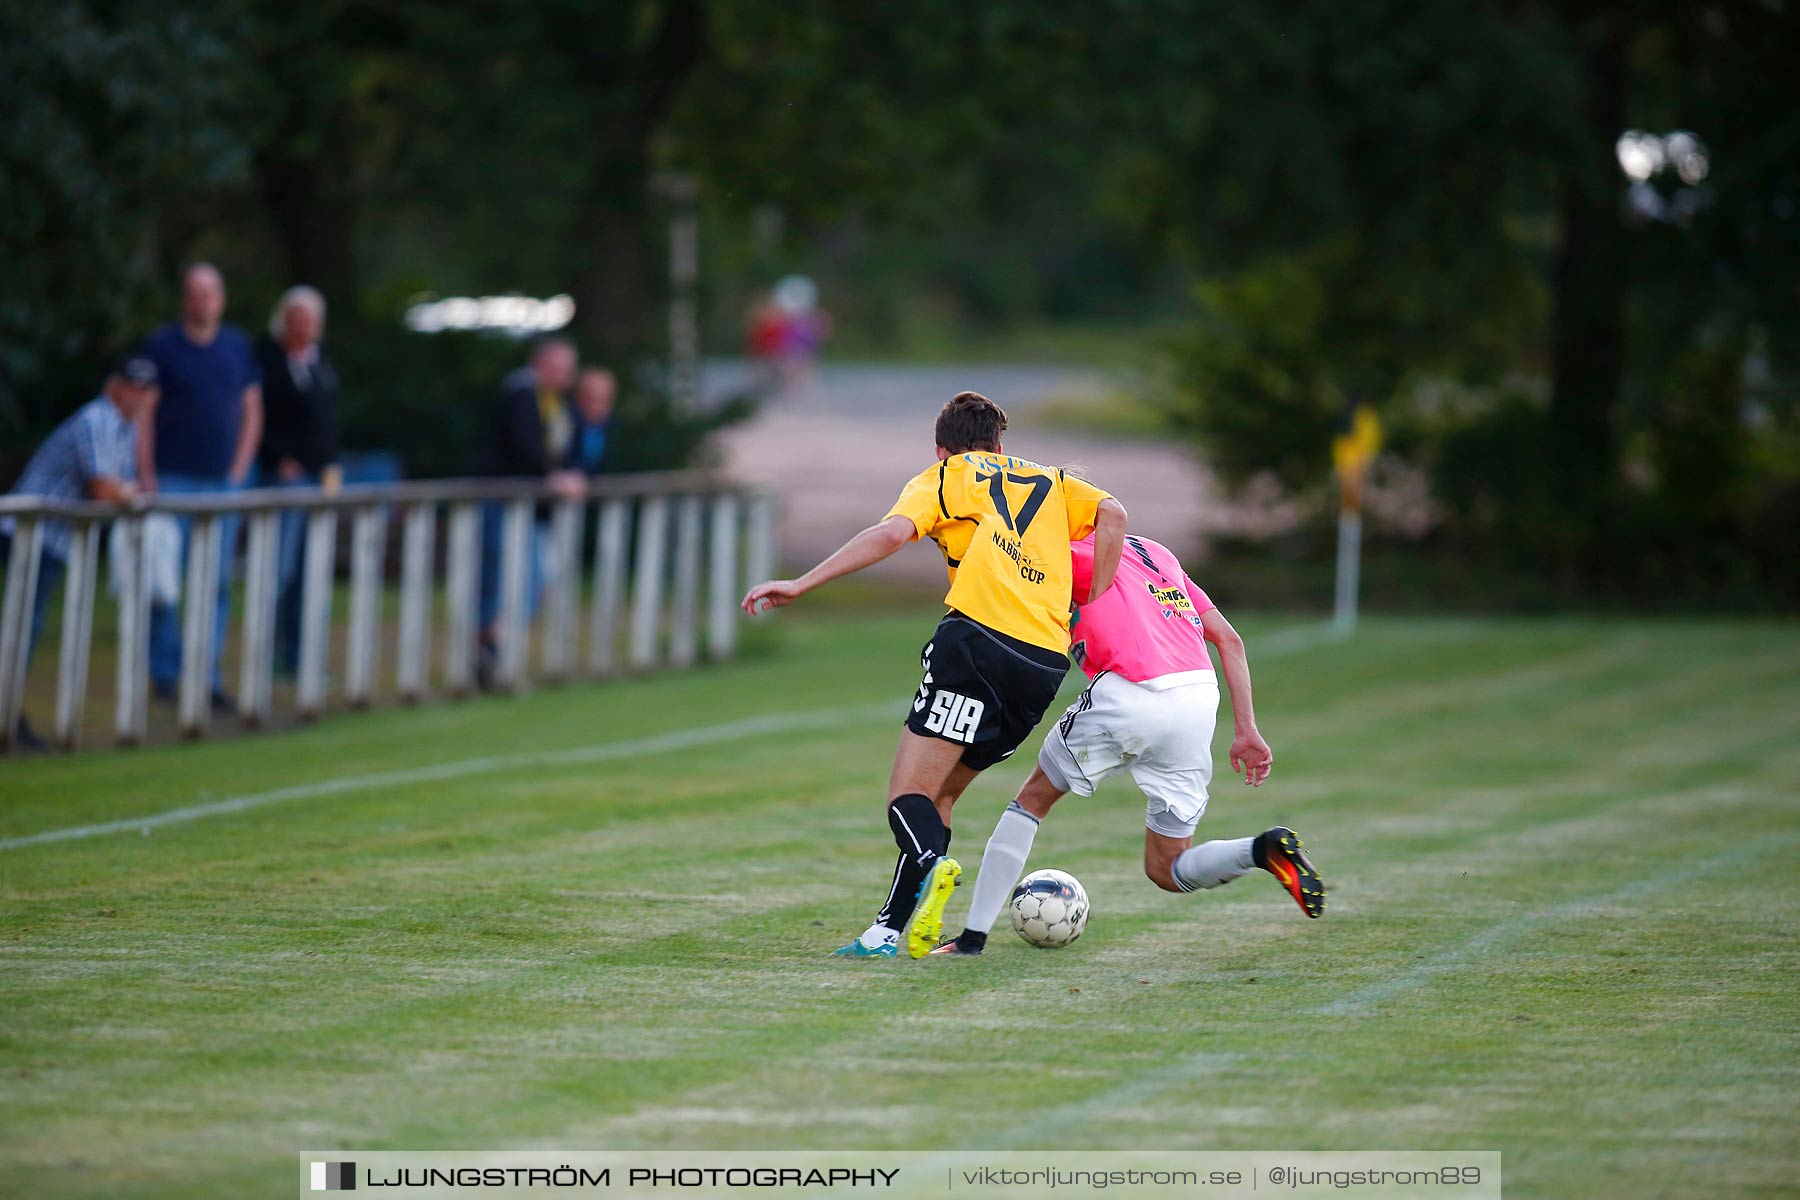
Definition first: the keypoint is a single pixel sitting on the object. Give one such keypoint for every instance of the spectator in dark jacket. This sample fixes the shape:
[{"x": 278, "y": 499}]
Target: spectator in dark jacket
[
  {"x": 529, "y": 426},
  {"x": 528, "y": 437},
  {"x": 594, "y": 395},
  {"x": 299, "y": 443}
]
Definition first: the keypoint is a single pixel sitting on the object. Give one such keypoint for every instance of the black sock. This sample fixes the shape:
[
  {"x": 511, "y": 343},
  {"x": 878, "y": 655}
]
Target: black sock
[
  {"x": 1259, "y": 851},
  {"x": 908, "y": 875},
  {"x": 918, "y": 830},
  {"x": 922, "y": 838},
  {"x": 972, "y": 940}
]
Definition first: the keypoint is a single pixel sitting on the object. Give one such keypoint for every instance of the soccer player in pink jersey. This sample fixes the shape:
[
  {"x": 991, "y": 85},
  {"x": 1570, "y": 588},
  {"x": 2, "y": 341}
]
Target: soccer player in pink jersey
[{"x": 1150, "y": 707}]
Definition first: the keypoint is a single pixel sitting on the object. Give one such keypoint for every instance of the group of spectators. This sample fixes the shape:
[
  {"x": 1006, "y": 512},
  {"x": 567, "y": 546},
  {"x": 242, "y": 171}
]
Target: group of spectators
[
  {"x": 535, "y": 431},
  {"x": 233, "y": 413},
  {"x": 200, "y": 407}
]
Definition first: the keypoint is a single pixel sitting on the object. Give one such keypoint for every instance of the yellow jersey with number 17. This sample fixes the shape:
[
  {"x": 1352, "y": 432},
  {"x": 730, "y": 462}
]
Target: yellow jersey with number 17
[{"x": 1004, "y": 525}]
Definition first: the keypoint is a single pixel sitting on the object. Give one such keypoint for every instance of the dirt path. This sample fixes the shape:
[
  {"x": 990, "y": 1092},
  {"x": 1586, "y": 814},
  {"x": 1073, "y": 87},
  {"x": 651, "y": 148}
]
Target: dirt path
[{"x": 838, "y": 452}]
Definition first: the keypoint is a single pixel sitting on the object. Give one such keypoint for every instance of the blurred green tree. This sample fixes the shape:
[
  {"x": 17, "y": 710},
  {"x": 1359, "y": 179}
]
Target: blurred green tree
[
  {"x": 1380, "y": 197},
  {"x": 1385, "y": 201},
  {"x": 117, "y": 127},
  {"x": 1362, "y": 192}
]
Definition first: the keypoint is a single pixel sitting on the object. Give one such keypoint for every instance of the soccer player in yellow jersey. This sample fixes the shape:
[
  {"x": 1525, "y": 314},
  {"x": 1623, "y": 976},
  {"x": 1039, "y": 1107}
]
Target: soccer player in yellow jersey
[{"x": 998, "y": 656}]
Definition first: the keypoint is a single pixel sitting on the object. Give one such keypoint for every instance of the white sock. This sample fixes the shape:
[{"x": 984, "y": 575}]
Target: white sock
[
  {"x": 1007, "y": 849},
  {"x": 877, "y": 936},
  {"x": 1212, "y": 863}
]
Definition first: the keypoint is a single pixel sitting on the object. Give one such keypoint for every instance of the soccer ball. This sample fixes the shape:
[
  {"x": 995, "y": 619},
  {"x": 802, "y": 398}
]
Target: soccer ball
[{"x": 1049, "y": 909}]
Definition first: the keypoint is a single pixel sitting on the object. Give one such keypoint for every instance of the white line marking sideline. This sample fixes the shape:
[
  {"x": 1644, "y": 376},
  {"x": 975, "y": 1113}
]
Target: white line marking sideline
[
  {"x": 1140, "y": 1089},
  {"x": 1493, "y": 937},
  {"x": 1275, "y": 645},
  {"x": 705, "y": 735}
]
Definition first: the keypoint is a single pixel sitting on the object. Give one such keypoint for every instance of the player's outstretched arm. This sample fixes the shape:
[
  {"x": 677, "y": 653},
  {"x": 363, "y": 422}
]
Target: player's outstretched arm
[
  {"x": 864, "y": 550},
  {"x": 1249, "y": 752},
  {"x": 1109, "y": 540}
]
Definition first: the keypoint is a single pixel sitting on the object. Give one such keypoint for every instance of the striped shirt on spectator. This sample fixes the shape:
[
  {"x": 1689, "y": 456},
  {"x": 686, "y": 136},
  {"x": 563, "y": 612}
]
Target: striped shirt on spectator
[{"x": 96, "y": 443}]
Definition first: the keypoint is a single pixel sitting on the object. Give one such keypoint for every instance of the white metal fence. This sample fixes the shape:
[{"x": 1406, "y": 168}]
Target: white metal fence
[{"x": 694, "y": 540}]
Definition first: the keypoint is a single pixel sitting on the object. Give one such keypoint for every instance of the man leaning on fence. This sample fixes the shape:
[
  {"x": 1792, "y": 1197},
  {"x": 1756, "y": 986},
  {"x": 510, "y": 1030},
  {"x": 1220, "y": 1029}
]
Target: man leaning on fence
[
  {"x": 299, "y": 443},
  {"x": 529, "y": 433},
  {"x": 204, "y": 439},
  {"x": 90, "y": 456}
]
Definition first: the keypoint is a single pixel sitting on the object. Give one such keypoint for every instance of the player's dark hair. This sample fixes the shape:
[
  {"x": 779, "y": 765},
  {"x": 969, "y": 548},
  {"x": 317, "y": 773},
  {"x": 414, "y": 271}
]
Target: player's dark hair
[{"x": 970, "y": 422}]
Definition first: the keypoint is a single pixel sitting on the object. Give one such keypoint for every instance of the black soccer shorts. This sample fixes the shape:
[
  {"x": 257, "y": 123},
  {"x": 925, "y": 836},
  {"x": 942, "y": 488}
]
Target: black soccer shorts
[{"x": 983, "y": 689}]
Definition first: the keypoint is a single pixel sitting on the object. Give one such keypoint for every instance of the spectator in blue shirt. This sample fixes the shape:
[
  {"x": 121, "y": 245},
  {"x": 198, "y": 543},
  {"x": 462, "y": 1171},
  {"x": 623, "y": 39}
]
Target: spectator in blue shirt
[
  {"x": 204, "y": 439},
  {"x": 90, "y": 456},
  {"x": 595, "y": 392}
]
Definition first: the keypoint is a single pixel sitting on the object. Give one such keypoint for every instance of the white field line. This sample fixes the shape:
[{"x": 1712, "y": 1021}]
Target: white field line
[
  {"x": 1291, "y": 640},
  {"x": 1138, "y": 1090},
  {"x": 1276, "y": 645},
  {"x": 1133, "y": 1092},
  {"x": 683, "y": 739},
  {"x": 1494, "y": 937}
]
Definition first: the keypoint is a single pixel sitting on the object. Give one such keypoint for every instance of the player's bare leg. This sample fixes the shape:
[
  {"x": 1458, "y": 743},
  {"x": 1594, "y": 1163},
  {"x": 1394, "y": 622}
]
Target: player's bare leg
[
  {"x": 1037, "y": 794},
  {"x": 1160, "y": 853},
  {"x": 927, "y": 766},
  {"x": 958, "y": 783}
]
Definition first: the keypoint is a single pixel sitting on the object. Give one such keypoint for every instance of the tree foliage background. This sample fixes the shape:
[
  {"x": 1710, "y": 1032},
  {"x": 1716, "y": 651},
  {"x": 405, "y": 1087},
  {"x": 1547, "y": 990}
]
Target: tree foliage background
[{"x": 1412, "y": 206}]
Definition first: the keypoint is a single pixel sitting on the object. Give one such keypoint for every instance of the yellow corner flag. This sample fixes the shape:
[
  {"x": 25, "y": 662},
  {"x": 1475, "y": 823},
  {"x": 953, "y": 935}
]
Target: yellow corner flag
[{"x": 1353, "y": 451}]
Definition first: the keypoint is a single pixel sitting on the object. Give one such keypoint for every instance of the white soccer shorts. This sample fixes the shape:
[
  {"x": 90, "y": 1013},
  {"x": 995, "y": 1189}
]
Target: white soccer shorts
[{"x": 1163, "y": 736}]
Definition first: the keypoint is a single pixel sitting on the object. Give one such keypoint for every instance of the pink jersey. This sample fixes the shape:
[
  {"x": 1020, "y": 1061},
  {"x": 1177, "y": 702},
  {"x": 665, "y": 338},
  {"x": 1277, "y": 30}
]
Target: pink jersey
[{"x": 1147, "y": 625}]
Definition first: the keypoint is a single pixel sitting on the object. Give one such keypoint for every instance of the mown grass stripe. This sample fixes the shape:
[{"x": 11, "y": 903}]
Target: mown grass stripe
[
  {"x": 1282, "y": 643},
  {"x": 1495, "y": 936},
  {"x": 685, "y": 739}
]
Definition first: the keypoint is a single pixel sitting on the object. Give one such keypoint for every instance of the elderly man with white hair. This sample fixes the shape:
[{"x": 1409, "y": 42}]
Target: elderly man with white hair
[{"x": 300, "y": 439}]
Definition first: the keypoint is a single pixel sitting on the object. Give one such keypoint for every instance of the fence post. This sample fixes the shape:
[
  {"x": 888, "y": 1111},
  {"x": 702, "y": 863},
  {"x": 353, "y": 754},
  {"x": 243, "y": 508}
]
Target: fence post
[
  {"x": 760, "y": 553},
  {"x": 368, "y": 547},
  {"x": 415, "y": 600},
  {"x": 462, "y": 577},
  {"x": 684, "y": 636},
  {"x": 131, "y": 707},
  {"x": 609, "y": 584},
  {"x": 199, "y": 611},
  {"x": 722, "y": 580},
  {"x": 517, "y": 555},
  {"x": 647, "y": 582},
  {"x": 15, "y": 623},
  {"x": 1349, "y": 572},
  {"x": 261, "y": 568},
  {"x": 562, "y": 590},
  {"x": 77, "y": 633},
  {"x": 315, "y": 610}
]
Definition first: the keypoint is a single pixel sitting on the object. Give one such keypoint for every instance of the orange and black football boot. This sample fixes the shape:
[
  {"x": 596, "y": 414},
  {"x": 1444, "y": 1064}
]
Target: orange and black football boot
[{"x": 1279, "y": 852}]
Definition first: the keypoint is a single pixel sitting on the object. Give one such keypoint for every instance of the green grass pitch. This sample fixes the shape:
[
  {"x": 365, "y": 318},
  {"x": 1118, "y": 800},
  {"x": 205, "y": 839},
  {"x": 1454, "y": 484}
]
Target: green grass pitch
[{"x": 1563, "y": 924}]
